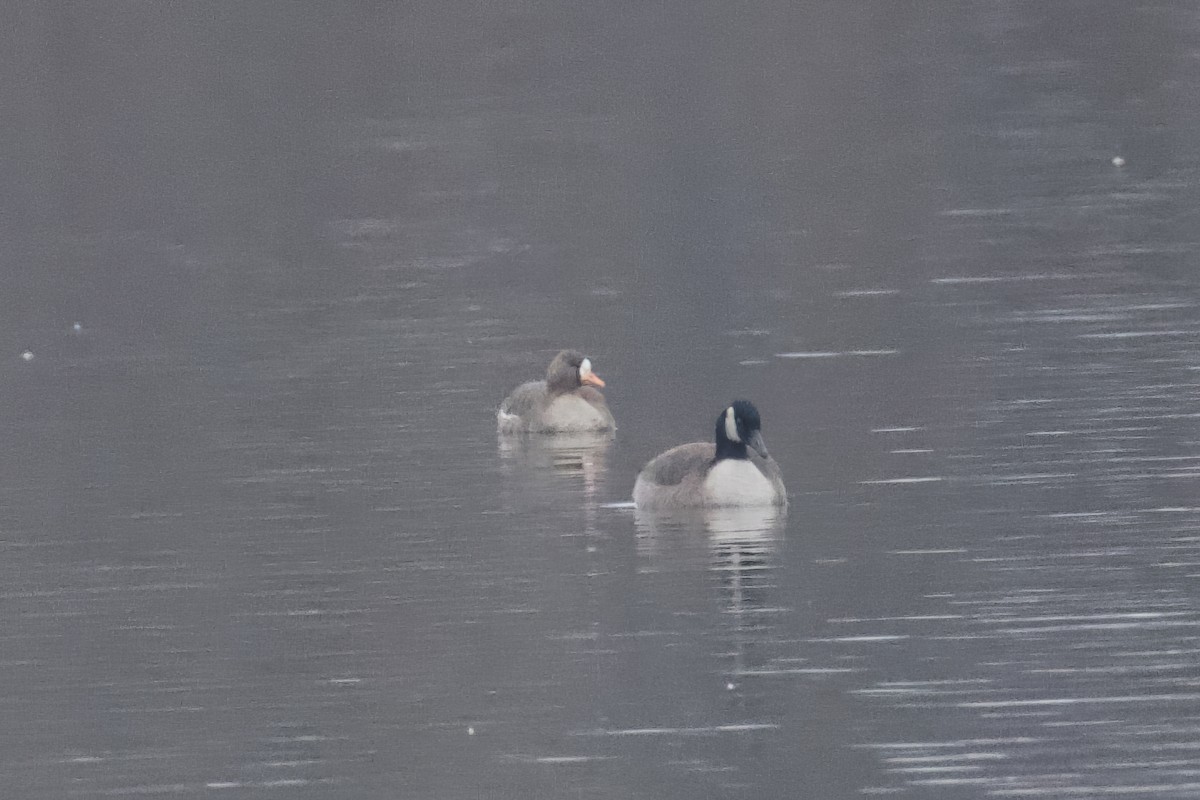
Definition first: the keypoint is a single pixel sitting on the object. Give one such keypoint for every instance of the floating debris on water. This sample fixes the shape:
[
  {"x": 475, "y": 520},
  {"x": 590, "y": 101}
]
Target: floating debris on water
[
  {"x": 77, "y": 327},
  {"x": 27, "y": 355},
  {"x": 1117, "y": 161}
]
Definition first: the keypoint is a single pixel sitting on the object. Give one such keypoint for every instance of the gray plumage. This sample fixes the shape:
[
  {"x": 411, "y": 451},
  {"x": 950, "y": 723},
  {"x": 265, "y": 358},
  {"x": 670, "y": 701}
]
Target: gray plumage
[
  {"x": 694, "y": 475},
  {"x": 565, "y": 401},
  {"x": 675, "y": 465}
]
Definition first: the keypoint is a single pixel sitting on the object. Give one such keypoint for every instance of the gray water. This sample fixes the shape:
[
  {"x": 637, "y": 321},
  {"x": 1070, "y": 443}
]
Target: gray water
[{"x": 259, "y": 538}]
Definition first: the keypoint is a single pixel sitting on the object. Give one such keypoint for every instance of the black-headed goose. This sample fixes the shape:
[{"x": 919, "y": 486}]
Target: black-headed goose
[
  {"x": 734, "y": 471},
  {"x": 568, "y": 400}
]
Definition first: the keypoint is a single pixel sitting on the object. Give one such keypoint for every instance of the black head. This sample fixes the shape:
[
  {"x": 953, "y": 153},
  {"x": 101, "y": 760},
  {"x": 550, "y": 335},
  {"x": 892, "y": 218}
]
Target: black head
[
  {"x": 739, "y": 426},
  {"x": 569, "y": 370}
]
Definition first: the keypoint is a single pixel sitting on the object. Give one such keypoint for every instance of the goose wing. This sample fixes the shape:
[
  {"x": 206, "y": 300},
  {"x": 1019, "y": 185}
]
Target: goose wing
[
  {"x": 674, "y": 466},
  {"x": 526, "y": 400}
]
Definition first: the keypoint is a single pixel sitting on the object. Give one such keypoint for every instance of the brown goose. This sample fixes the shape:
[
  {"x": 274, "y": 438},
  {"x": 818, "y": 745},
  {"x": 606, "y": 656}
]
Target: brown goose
[{"x": 568, "y": 400}]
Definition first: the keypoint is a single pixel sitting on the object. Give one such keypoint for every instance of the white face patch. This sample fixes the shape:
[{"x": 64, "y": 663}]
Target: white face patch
[
  {"x": 585, "y": 368},
  {"x": 731, "y": 426}
]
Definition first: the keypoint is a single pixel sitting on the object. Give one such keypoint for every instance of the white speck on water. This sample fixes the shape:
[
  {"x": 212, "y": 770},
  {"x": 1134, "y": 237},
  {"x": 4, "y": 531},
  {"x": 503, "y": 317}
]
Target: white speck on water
[
  {"x": 77, "y": 327},
  {"x": 922, "y": 745},
  {"x": 1169, "y": 697},
  {"x": 1117, "y": 161},
  {"x": 1134, "y": 334},
  {"x": 866, "y": 638},
  {"x": 976, "y": 212},
  {"x": 836, "y": 354},
  {"x": 730, "y": 687},
  {"x": 1175, "y": 789},
  {"x": 867, "y": 292},
  {"x": 810, "y": 354},
  {"x": 27, "y": 355},
  {"x": 924, "y": 479},
  {"x": 986, "y": 756},
  {"x": 470, "y": 731},
  {"x": 1048, "y": 276},
  {"x": 278, "y": 783},
  {"x": 761, "y": 672},
  {"x": 896, "y": 429},
  {"x": 906, "y": 618},
  {"x": 698, "y": 731}
]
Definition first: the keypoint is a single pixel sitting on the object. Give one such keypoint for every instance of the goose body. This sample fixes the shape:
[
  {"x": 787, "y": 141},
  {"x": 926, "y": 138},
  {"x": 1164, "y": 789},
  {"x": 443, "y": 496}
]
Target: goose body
[
  {"x": 567, "y": 401},
  {"x": 735, "y": 470},
  {"x": 741, "y": 482}
]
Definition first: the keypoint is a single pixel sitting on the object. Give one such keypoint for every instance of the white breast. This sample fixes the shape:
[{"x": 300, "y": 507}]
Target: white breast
[
  {"x": 737, "y": 482},
  {"x": 571, "y": 413}
]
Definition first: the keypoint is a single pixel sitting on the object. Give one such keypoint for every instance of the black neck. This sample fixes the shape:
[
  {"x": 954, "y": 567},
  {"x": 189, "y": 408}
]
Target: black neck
[{"x": 726, "y": 447}]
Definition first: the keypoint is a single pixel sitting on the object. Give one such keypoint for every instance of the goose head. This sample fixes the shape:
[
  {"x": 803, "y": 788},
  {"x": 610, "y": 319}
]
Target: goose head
[
  {"x": 739, "y": 427},
  {"x": 570, "y": 370}
]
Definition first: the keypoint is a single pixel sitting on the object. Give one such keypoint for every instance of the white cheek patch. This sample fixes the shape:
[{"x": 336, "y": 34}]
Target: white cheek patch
[
  {"x": 585, "y": 368},
  {"x": 731, "y": 426}
]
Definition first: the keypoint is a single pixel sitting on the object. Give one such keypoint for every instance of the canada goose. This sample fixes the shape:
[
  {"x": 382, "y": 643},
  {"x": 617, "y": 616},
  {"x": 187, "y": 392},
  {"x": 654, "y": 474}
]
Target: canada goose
[
  {"x": 724, "y": 473},
  {"x": 566, "y": 401}
]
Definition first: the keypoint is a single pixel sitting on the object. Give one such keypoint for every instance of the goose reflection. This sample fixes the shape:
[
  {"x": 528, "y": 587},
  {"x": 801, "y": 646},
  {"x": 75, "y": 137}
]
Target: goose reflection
[
  {"x": 581, "y": 455},
  {"x": 743, "y": 544},
  {"x": 731, "y": 535},
  {"x": 738, "y": 548}
]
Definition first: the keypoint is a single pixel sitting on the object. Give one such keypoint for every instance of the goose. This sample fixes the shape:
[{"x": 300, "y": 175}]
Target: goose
[
  {"x": 736, "y": 470},
  {"x": 567, "y": 401}
]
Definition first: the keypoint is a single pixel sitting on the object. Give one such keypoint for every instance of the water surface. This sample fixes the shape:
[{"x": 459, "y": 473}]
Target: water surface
[{"x": 260, "y": 538}]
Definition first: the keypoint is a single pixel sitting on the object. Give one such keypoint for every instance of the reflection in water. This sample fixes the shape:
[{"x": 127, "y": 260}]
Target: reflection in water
[
  {"x": 251, "y": 539},
  {"x": 741, "y": 545},
  {"x": 581, "y": 454},
  {"x": 739, "y": 529}
]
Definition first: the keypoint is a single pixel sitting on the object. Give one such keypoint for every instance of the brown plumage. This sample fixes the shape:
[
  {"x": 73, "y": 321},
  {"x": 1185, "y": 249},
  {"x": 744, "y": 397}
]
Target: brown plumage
[{"x": 567, "y": 400}]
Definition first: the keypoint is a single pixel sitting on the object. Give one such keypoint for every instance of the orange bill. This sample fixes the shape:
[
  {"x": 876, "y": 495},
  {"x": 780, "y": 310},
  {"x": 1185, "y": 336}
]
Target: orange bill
[{"x": 591, "y": 379}]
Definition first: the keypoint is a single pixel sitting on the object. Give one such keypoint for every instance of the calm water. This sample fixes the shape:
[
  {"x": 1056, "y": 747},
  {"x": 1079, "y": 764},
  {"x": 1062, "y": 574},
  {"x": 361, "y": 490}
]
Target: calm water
[{"x": 258, "y": 537}]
